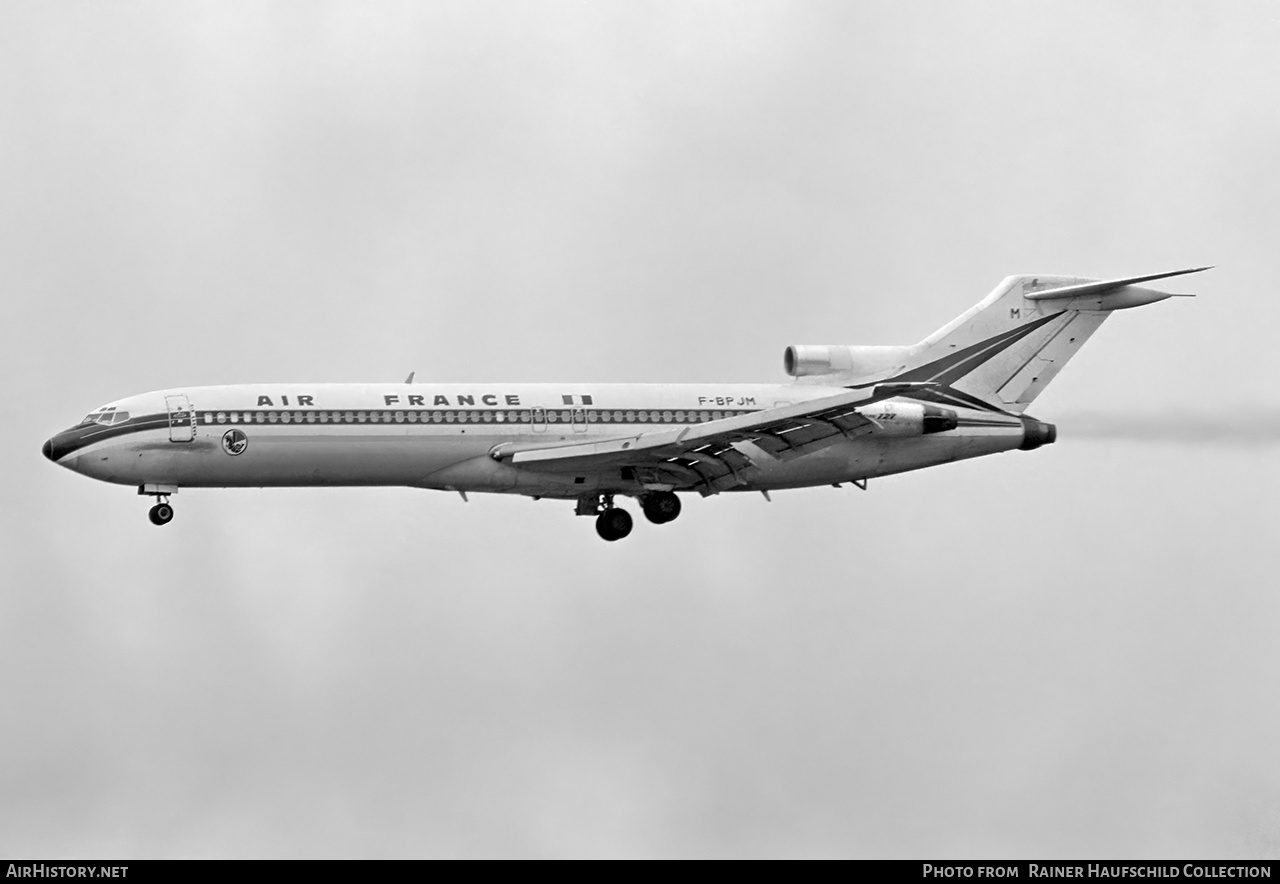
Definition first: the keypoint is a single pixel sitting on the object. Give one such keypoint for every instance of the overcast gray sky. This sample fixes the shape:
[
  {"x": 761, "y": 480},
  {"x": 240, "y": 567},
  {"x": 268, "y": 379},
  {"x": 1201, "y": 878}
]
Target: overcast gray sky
[{"x": 1070, "y": 652}]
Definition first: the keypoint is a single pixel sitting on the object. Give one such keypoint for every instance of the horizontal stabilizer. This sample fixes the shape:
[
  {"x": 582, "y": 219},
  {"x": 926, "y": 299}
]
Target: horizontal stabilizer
[{"x": 1103, "y": 286}]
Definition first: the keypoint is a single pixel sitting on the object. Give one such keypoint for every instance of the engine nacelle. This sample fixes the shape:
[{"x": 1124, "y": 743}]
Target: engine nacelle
[
  {"x": 808, "y": 360},
  {"x": 909, "y": 418}
]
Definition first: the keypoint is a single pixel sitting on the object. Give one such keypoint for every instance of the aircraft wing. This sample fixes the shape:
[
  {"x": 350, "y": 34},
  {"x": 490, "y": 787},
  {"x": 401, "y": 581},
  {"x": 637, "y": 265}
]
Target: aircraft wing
[{"x": 715, "y": 454}]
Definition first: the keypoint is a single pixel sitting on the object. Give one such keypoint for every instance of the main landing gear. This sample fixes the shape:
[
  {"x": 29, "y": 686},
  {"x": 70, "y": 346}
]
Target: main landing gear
[
  {"x": 162, "y": 512},
  {"x": 660, "y": 507},
  {"x": 614, "y": 523}
]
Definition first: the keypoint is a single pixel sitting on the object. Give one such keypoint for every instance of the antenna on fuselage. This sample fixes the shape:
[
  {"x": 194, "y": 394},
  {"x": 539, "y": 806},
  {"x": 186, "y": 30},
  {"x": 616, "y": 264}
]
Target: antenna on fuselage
[{"x": 409, "y": 379}]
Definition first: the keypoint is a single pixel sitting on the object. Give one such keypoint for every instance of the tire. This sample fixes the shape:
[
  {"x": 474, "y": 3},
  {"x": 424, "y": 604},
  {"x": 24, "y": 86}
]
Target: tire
[
  {"x": 613, "y": 524},
  {"x": 161, "y": 514},
  {"x": 661, "y": 507}
]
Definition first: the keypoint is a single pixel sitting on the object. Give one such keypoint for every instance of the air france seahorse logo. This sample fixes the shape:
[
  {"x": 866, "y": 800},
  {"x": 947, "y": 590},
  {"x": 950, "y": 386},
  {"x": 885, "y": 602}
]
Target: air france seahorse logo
[{"x": 234, "y": 442}]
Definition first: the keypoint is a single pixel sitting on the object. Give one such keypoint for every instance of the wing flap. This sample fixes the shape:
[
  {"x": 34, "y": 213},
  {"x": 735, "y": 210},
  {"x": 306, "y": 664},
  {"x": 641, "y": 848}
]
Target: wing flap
[{"x": 716, "y": 454}]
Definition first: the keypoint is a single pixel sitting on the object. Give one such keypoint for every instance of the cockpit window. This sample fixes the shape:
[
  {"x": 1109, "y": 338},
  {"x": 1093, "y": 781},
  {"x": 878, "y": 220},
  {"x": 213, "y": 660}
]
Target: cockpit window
[{"x": 107, "y": 418}]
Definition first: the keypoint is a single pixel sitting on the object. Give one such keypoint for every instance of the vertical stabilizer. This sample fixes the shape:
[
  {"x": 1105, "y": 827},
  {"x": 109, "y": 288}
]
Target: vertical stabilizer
[{"x": 1007, "y": 348}]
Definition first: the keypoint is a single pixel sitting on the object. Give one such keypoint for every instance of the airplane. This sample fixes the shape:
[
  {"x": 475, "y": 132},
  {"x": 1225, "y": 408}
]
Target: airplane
[{"x": 851, "y": 413}]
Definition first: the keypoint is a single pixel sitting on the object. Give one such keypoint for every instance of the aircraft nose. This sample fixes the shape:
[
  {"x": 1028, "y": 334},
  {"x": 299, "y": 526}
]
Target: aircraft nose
[{"x": 48, "y": 448}]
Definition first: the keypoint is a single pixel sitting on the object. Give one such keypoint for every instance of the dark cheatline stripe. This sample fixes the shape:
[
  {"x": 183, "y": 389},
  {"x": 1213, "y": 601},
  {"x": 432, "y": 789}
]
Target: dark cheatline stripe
[
  {"x": 72, "y": 440},
  {"x": 955, "y": 373},
  {"x": 950, "y": 396},
  {"x": 78, "y": 437},
  {"x": 953, "y": 366}
]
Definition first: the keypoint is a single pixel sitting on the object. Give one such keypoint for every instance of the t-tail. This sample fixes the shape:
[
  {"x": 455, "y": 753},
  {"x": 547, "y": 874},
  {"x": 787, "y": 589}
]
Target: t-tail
[{"x": 1001, "y": 353}]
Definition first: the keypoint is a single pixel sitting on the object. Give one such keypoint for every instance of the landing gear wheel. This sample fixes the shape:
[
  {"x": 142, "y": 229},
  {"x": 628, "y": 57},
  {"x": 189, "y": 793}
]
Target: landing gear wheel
[
  {"x": 613, "y": 524},
  {"x": 661, "y": 507},
  {"x": 161, "y": 514}
]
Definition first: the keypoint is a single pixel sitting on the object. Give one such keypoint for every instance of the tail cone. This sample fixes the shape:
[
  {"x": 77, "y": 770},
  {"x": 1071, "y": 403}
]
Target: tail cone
[{"x": 1036, "y": 433}]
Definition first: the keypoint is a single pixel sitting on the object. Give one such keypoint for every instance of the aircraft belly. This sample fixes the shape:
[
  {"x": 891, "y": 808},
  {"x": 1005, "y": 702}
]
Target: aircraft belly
[
  {"x": 864, "y": 458},
  {"x": 367, "y": 459},
  {"x": 839, "y": 462},
  {"x": 929, "y": 451},
  {"x": 276, "y": 457},
  {"x": 483, "y": 473}
]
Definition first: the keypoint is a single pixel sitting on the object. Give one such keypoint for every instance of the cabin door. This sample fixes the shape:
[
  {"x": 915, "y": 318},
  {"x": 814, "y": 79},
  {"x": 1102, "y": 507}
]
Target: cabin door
[{"x": 182, "y": 421}]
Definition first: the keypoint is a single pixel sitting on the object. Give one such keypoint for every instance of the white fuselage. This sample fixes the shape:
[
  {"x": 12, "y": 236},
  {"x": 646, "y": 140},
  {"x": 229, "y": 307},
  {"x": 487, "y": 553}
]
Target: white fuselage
[{"x": 440, "y": 435}]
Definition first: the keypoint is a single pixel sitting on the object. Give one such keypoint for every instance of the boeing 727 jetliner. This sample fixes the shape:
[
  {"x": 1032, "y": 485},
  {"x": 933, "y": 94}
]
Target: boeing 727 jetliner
[{"x": 851, "y": 413}]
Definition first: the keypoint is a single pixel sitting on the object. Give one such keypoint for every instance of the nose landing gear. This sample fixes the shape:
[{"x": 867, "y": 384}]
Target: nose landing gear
[{"x": 162, "y": 512}]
